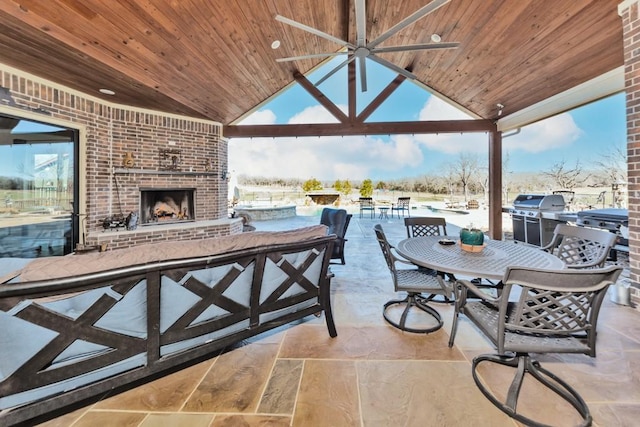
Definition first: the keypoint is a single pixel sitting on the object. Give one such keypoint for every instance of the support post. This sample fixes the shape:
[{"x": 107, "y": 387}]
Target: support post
[{"x": 495, "y": 185}]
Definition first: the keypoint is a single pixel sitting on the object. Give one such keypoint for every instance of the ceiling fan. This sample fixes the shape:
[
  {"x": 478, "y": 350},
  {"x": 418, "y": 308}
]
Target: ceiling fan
[{"x": 363, "y": 49}]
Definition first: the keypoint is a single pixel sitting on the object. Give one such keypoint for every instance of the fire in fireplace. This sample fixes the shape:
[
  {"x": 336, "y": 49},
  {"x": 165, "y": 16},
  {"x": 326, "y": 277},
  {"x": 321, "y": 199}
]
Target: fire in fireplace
[{"x": 166, "y": 205}]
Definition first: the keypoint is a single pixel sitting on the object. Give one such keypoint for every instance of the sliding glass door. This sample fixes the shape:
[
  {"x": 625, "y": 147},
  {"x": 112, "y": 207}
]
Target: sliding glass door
[{"x": 38, "y": 189}]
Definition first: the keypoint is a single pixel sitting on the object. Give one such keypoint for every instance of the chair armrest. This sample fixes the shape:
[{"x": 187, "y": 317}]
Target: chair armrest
[
  {"x": 398, "y": 258},
  {"x": 461, "y": 296},
  {"x": 549, "y": 247}
]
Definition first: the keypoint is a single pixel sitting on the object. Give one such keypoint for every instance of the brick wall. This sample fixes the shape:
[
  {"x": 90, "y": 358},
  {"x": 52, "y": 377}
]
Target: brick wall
[
  {"x": 110, "y": 131},
  {"x": 629, "y": 12}
]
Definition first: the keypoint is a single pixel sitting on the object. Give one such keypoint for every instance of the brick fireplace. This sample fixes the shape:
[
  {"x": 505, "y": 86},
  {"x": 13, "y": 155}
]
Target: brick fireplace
[
  {"x": 166, "y": 205},
  {"x": 124, "y": 150}
]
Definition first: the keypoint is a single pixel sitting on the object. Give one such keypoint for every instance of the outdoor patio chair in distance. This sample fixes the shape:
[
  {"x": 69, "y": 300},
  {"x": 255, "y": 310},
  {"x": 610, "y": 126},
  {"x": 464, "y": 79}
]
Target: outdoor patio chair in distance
[
  {"x": 539, "y": 311},
  {"x": 581, "y": 247},
  {"x": 401, "y": 205},
  {"x": 366, "y": 204},
  {"x": 338, "y": 221},
  {"x": 414, "y": 282}
]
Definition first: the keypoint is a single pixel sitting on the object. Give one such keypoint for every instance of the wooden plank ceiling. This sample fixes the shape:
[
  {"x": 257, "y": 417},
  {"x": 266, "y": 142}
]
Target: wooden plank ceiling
[{"x": 213, "y": 59}]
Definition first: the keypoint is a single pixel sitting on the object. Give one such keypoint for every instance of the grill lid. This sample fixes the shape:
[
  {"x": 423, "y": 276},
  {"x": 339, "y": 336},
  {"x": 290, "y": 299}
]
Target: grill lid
[{"x": 548, "y": 202}]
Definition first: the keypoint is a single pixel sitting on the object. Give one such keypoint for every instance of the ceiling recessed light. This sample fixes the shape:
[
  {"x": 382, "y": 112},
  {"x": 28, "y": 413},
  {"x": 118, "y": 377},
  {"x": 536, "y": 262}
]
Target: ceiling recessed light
[
  {"x": 275, "y": 44},
  {"x": 436, "y": 38},
  {"x": 107, "y": 91}
]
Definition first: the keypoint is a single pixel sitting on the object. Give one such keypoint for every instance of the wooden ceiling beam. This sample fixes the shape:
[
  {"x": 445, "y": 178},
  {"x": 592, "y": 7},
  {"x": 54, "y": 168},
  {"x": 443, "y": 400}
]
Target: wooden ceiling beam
[
  {"x": 382, "y": 96},
  {"x": 320, "y": 97},
  {"x": 376, "y": 128}
]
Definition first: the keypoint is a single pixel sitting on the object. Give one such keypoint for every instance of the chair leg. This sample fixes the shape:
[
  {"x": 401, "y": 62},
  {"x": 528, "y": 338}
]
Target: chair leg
[
  {"x": 523, "y": 364},
  {"x": 454, "y": 328},
  {"x": 412, "y": 300}
]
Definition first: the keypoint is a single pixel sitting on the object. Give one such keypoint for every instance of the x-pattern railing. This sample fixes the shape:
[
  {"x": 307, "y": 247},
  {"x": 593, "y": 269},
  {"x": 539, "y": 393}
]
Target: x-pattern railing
[
  {"x": 295, "y": 275},
  {"x": 213, "y": 295},
  {"x": 36, "y": 371}
]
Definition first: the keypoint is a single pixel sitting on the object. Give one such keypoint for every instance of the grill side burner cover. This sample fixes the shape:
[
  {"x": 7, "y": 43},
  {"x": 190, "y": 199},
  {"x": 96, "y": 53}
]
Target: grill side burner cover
[{"x": 608, "y": 219}]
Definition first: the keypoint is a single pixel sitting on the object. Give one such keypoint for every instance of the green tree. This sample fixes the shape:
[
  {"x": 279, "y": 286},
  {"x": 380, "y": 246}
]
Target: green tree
[
  {"x": 381, "y": 185},
  {"x": 346, "y": 187},
  {"x": 338, "y": 186},
  {"x": 312, "y": 185},
  {"x": 366, "y": 189}
]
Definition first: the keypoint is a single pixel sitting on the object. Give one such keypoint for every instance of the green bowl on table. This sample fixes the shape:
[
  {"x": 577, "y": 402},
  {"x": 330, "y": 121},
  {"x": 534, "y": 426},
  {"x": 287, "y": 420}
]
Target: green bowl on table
[{"x": 472, "y": 240}]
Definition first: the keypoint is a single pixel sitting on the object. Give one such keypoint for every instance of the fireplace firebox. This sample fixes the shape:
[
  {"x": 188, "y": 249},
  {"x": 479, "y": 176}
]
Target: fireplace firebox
[{"x": 166, "y": 205}]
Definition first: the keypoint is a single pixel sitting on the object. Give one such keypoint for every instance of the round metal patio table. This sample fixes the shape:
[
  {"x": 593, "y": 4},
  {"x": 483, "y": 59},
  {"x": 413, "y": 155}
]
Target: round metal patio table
[{"x": 491, "y": 263}]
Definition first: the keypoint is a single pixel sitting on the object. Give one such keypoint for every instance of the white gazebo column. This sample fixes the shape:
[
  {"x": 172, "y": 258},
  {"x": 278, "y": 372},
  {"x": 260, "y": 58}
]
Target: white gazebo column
[{"x": 629, "y": 11}]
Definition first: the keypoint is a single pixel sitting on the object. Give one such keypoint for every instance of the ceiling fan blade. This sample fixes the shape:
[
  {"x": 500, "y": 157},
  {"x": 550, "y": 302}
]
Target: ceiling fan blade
[
  {"x": 313, "y": 55},
  {"x": 313, "y": 31},
  {"x": 392, "y": 67},
  {"x": 423, "y": 46},
  {"x": 435, "y": 4},
  {"x": 335, "y": 70},
  {"x": 361, "y": 23},
  {"x": 362, "y": 61}
]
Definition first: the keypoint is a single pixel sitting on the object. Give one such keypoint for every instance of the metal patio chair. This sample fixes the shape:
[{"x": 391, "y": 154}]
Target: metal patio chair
[
  {"x": 538, "y": 311},
  {"x": 338, "y": 221},
  {"x": 428, "y": 226},
  {"x": 425, "y": 226},
  {"x": 401, "y": 205},
  {"x": 581, "y": 247},
  {"x": 415, "y": 282},
  {"x": 367, "y": 204}
]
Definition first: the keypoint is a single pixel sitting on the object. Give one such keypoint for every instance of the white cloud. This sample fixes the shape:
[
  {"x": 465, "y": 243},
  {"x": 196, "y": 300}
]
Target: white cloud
[
  {"x": 315, "y": 114},
  {"x": 353, "y": 157},
  {"x": 555, "y": 132},
  {"x": 450, "y": 143},
  {"x": 335, "y": 157},
  {"x": 437, "y": 109},
  {"x": 261, "y": 117},
  {"x": 359, "y": 157}
]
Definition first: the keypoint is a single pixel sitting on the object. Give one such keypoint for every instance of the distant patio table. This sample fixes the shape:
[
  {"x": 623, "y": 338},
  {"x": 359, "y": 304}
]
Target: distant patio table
[{"x": 491, "y": 263}]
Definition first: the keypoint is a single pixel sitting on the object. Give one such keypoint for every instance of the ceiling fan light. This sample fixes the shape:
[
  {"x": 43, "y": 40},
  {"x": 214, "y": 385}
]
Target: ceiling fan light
[
  {"x": 106, "y": 91},
  {"x": 436, "y": 38}
]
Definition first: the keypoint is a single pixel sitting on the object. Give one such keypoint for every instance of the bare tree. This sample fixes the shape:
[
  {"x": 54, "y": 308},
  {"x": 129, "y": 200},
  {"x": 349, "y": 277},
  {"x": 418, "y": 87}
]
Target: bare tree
[
  {"x": 566, "y": 178},
  {"x": 464, "y": 170},
  {"x": 450, "y": 178},
  {"x": 611, "y": 166},
  {"x": 507, "y": 178},
  {"x": 481, "y": 177}
]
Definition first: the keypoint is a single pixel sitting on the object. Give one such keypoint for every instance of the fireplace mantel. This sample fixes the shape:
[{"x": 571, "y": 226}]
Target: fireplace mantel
[{"x": 126, "y": 171}]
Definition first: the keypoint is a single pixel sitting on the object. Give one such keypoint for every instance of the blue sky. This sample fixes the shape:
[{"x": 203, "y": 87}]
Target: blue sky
[{"x": 579, "y": 135}]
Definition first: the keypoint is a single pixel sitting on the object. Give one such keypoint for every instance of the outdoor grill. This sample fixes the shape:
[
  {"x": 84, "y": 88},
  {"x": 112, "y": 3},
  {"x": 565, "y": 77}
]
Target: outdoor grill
[
  {"x": 611, "y": 219},
  {"x": 535, "y": 216}
]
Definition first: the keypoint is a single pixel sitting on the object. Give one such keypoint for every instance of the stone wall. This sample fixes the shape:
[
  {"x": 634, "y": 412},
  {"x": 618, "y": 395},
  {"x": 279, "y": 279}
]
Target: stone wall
[
  {"x": 630, "y": 14},
  {"x": 109, "y": 132}
]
